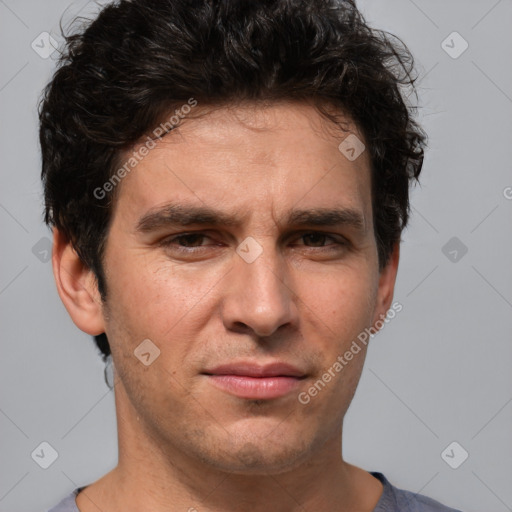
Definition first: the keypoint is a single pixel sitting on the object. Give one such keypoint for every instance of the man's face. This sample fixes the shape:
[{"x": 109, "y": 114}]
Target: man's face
[{"x": 262, "y": 289}]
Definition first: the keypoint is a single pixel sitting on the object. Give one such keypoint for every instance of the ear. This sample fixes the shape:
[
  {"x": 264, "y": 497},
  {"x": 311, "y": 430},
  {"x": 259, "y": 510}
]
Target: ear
[
  {"x": 77, "y": 286},
  {"x": 386, "y": 285}
]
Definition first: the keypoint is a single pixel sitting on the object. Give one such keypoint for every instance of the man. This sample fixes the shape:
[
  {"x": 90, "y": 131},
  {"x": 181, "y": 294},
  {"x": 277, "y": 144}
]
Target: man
[{"x": 227, "y": 183}]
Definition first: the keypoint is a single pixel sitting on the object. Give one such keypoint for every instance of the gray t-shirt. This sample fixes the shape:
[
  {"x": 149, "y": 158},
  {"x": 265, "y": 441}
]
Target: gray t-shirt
[{"x": 392, "y": 500}]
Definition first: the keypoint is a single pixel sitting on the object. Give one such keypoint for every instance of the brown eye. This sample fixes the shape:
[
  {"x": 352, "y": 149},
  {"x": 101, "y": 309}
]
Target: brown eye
[
  {"x": 186, "y": 242},
  {"x": 190, "y": 240},
  {"x": 317, "y": 239}
]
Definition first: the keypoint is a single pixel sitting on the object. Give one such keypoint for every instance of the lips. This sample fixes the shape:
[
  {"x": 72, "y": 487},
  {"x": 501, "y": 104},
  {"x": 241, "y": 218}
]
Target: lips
[
  {"x": 252, "y": 381},
  {"x": 254, "y": 370}
]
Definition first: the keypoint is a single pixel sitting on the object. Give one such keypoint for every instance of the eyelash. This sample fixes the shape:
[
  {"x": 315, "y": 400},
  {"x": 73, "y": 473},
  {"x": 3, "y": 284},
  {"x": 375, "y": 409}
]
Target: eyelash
[{"x": 170, "y": 242}]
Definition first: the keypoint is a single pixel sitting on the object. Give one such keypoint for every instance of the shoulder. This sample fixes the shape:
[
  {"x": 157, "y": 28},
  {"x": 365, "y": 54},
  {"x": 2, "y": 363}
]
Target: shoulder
[
  {"x": 67, "y": 504},
  {"x": 394, "y": 499}
]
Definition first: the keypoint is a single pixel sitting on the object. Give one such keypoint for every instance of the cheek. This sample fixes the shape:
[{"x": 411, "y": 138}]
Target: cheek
[
  {"x": 340, "y": 304},
  {"x": 154, "y": 302},
  {"x": 157, "y": 299}
]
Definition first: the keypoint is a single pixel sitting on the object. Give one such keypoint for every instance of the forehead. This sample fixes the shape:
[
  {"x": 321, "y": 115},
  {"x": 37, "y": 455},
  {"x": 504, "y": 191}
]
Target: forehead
[{"x": 250, "y": 159}]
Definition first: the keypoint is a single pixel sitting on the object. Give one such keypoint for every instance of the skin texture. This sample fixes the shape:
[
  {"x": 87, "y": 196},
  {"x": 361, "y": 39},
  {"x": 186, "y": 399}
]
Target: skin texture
[{"x": 183, "y": 442}]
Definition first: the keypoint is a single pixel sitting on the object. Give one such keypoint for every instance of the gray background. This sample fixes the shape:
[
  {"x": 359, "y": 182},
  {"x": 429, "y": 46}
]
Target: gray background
[{"x": 438, "y": 373}]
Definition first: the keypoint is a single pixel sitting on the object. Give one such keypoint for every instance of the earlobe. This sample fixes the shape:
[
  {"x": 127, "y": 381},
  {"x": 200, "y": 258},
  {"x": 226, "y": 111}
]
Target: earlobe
[
  {"x": 77, "y": 287},
  {"x": 387, "y": 281}
]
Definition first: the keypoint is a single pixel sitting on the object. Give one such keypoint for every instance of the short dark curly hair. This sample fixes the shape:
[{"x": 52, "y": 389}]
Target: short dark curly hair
[{"x": 140, "y": 59}]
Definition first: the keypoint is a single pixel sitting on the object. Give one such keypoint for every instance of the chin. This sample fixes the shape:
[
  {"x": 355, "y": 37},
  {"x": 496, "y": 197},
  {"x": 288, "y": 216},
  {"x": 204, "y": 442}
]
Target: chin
[{"x": 256, "y": 451}]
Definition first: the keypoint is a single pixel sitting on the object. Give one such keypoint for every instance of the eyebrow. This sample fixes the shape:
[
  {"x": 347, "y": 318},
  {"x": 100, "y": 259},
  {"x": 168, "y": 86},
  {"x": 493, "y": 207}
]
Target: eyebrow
[{"x": 174, "y": 214}]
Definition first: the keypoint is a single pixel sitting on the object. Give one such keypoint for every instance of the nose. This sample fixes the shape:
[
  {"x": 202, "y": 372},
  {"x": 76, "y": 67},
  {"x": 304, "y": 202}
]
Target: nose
[{"x": 258, "y": 296}]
